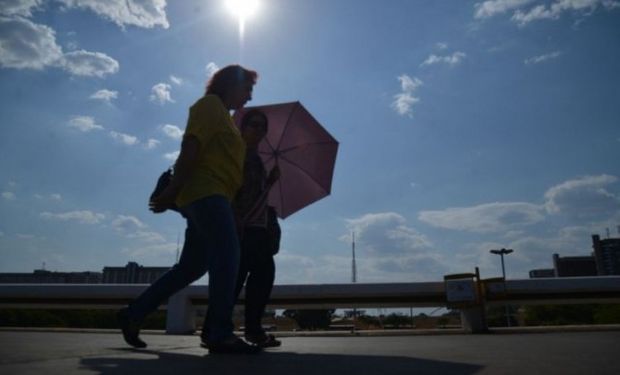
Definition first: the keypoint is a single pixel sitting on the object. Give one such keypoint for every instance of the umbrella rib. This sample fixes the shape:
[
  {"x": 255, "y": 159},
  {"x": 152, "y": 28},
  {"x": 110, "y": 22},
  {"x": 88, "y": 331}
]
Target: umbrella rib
[
  {"x": 288, "y": 121},
  {"x": 304, "y": 171}
]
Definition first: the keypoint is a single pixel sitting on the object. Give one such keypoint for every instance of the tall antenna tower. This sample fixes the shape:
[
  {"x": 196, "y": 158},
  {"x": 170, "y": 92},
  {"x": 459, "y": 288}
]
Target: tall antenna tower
[
  {"x": 353, "y": 265},
  {"x": 177, "y": 256}
]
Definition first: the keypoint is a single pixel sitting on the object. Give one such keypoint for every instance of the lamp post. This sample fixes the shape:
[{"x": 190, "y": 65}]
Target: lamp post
[{"x": 501, "y": 252}]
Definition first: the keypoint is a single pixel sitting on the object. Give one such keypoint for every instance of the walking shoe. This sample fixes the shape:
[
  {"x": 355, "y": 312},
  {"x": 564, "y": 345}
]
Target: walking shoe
[
  {"x": 130, "y": 328},
  {"x": 263, "y": 340},
  {"x": 233, "y": 345}
]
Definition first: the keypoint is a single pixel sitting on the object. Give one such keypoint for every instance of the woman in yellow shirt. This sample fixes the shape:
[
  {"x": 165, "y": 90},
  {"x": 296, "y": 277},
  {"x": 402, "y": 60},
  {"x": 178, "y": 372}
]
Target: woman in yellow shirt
[{"x": 207, "y": 175}]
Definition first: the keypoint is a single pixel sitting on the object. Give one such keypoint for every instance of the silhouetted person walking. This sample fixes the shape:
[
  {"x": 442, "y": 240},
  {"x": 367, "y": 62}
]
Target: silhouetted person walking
[
  {"x": 207, "y": 175},
  {"x": 258, "y": 230}
]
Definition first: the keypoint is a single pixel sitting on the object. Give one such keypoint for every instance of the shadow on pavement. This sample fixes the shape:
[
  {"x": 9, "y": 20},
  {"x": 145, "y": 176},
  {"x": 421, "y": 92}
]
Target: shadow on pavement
[{"x": 272, "y": 363}]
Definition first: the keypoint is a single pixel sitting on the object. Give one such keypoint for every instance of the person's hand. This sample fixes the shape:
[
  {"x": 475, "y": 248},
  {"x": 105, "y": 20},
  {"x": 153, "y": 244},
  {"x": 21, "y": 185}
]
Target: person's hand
[
  {"x": 274, "y": 175},
  {"x": 163, "y": 201}
]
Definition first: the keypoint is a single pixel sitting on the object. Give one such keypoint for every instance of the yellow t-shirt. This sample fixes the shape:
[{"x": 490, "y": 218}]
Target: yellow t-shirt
[{"x": 219, "y": 168}]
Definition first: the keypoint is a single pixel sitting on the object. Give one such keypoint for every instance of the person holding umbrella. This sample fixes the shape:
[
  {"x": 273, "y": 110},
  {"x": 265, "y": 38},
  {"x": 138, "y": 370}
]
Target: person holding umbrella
[
  {"x": 256, "y": 225},
  {"x": 207, "y": 175}
]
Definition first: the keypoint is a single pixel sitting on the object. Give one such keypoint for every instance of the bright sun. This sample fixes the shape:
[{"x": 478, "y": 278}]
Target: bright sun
[{"x": 242, "y": 8}]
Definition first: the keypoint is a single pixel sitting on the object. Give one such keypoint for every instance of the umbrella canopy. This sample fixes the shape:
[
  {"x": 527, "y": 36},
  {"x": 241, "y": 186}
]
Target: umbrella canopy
[{"x": 304, "y": 151}]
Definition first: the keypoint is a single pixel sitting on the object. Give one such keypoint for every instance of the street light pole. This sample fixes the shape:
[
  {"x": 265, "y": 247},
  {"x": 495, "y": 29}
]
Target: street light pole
[{"x": 501, "y": 252}]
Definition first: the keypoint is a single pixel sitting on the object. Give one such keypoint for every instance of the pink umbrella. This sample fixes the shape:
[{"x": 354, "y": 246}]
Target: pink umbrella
[{"x": 304, "y": 151}]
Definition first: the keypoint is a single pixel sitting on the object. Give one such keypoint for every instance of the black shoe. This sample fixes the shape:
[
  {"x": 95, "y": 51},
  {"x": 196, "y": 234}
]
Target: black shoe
[
  {"x": 130, "y": 328},
  {"x": 263, "y": 340},
  {"x": 235, "y": 346}
]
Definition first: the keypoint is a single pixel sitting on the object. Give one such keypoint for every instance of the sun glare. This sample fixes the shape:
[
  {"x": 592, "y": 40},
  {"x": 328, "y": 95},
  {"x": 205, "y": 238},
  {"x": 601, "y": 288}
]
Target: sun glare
[{"x": 242, "y": 8}]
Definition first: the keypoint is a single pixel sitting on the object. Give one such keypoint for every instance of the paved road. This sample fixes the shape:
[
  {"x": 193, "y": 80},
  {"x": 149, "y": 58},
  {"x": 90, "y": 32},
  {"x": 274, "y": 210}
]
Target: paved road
[{"x": 23, "y": 352}]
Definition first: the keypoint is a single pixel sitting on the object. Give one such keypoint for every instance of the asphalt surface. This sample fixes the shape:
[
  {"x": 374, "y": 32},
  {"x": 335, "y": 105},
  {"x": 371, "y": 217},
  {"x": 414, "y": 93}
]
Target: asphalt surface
[{"x": 58, "y": 352}]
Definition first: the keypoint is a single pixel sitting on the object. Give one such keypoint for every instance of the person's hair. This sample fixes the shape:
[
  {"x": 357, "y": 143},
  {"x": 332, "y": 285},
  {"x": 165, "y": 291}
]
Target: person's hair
[
  {"x": 229, "y": 76},
  {"x": 245, "y": 120}
]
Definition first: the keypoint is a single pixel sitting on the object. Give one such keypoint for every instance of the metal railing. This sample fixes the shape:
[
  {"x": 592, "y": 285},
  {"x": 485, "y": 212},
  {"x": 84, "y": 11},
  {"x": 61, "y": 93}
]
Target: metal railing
[{"x": 181, "y": 306}]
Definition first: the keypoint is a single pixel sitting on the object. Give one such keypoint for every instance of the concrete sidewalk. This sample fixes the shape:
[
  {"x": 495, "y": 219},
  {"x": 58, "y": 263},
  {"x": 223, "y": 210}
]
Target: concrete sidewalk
[{"x": 57, "y": 352}]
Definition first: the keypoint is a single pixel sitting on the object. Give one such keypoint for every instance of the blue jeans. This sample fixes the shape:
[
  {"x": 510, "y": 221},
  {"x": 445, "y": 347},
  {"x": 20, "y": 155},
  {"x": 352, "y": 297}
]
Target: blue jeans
[{"x": 211, "y": 245}]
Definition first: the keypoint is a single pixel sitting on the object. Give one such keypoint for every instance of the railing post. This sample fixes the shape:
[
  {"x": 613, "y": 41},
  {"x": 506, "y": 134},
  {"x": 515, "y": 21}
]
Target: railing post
[
  {"x": 181, "y": 315},
  {"x": 473, "y": 319},
  {"x": 464, "y": 291}
]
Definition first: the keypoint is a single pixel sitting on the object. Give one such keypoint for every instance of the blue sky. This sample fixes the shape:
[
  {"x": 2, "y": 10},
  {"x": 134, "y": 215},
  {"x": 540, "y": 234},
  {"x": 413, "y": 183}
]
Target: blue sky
[{"x": 463, "y": 127}]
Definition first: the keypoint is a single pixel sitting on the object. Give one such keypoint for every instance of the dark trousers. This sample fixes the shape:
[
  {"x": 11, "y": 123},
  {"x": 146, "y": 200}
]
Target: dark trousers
[
  {"x": 211, "y": 244},
  {"x": 257, "y": 270}
]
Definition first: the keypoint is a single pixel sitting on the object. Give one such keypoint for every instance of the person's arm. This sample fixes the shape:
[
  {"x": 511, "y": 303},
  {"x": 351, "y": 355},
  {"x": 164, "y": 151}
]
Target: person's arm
[{"x": 183, "y": 169}]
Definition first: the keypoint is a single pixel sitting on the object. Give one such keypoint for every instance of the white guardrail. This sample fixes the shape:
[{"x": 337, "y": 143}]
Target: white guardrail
[{"x": 181, "y": 306}]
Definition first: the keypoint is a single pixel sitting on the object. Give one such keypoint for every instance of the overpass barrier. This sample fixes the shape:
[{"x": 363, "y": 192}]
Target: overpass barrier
[{"x": 181, "y": 306}]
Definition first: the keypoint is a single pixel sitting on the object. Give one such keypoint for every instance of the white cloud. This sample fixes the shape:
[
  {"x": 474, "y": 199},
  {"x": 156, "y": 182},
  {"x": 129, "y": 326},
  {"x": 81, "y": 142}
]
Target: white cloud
[
  {"x": 558, "y": 7},
  {"x": 542, "y": 58},
  {"x": 172, "y": 156},
  {"x": 89, "y": 64},
  {"x": 105, "y": 95},
  {"x": 441, "y": 45},
  {"x": 583, "y": 197},
  {"x": 160, "y": 93},
  {"x": 211, "y": 68},
  {"x": 22, "y": 8},
  {"x": 485, "y": 218},
  {"x": 176, "y": 80},
  {"x": 140, "y": 13},
  {"x": 54, "y": 197},
  {"x": 405, "y": 100},
  {"x": 131, "y": 227},
  {"x": 84, "y": 123},
  {"x": 172, "y": 131},
  {"x": 9, "y": 196},
  {"x": 386, "y": 232},
  {"x": 25, "y": 45},
  {"x": 151, "y": 143},
  {"x": 84, "y": 217},
  {"x": 493, "y": 7},
  {"x": 453, "y": 59},
  {"x": 127, "y": 223},
  {"x": 126, "y": 139}
]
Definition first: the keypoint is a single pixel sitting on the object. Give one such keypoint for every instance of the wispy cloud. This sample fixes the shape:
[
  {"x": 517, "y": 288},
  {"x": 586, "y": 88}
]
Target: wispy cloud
[
  {"x": 131, "y": 227},
  {"x": 105, "y": 95},
  {"x": 84, "y": 216},
  {"x": 22, "y": 8},
  {"x": 405, "y": 100},
  {"x": 491, "y": 8},
  {"x": 211, "y": 68},
  {"x": 160, "y": 93},
  {"x": 558, "y": 7},
  {"x": 386, "y": 232},
  {"x": 54, "y": 197},
  {"x": 84, "y": 123},
  {"x": 542, "y": 58},
  {"x": 172, "y": 131},
  {"x": 452, "y": 60},
  {"x": 126, "y": 139},
  {"x": 143, "y": 13},
  {"x": 523, "y": 15},
  {"x": 485, "y": 218},
  {"x": 172, "y": 156},
  {"x": 176, "y": 80},
  {"x": 89, "y": 64},
  {"x": 151, "y": 143},
  {"x": 8, "y": 195}
]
